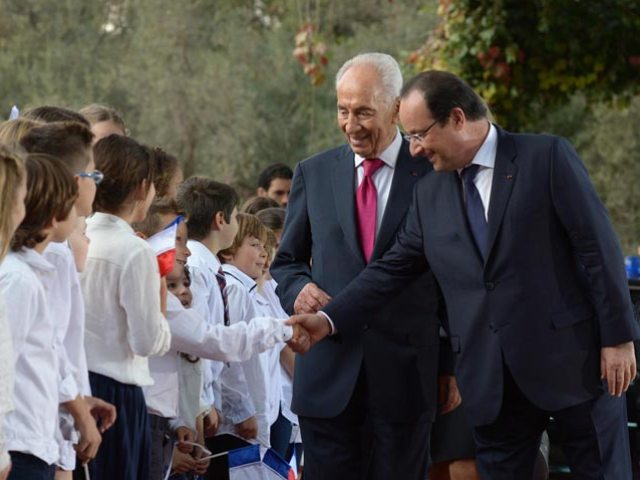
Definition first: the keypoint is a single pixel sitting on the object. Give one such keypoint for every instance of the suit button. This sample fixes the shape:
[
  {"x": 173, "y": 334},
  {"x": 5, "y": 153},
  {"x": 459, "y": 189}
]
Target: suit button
[
  {"x": 492, "y": 327},
  {"x": 365, "y": 327},
  {"x": 490, "y": 285}
]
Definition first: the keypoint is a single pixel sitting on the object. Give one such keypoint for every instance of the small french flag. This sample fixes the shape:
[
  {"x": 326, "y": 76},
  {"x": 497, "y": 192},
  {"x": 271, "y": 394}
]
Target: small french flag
[{"x": 164, "y": 244}]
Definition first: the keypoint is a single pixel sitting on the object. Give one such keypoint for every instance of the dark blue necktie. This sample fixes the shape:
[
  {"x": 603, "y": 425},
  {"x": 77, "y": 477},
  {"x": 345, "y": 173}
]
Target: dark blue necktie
[{"x": 475, "y": 210}]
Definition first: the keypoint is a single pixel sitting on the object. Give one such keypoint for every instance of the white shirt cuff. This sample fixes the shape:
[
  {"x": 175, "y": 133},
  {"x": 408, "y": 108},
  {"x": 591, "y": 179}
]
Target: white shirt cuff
[
  {"x": 333, "y": 327},
  {"x": 287, "y": 332}
]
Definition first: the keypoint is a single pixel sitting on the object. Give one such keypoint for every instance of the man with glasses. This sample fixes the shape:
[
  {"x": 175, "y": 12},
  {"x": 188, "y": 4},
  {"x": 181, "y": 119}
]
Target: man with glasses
[
  {"x": 365, "y": 399},
  {"x": 533, "y": 277}
]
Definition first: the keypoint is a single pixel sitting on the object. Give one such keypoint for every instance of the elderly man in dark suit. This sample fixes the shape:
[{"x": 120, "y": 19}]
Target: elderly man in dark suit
[
  {"x": 365, "y": 398},
  {"x": 533, "y": 278}
]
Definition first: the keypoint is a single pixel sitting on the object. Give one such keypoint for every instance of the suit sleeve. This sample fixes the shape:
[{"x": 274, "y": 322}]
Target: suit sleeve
[
  {"x": 382, "y": 279},
  {"x": 291, "y": 267},
  {"x": 594, "y": 242}
]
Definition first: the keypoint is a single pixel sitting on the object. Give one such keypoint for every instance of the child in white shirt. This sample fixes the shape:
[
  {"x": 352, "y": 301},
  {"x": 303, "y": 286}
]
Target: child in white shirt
[
  {"x": 13, "y": 189},
  {"x": 124, "y": 315},
  {"x": 286, "y": 427},
  {"x": 71, "y": 143},
  {"x": 32, "y": 428},
  {"x": 192, "y": 335},
  {"x": 211, "y": 209},
  {"x": 243, "y": 264}
]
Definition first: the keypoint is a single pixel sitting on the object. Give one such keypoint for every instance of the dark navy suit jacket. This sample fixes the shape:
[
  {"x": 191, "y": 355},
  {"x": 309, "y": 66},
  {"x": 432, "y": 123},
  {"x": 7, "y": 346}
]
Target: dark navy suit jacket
[
  {"x": 550, "y": 294},
  {"x": 397, "y": 345}
]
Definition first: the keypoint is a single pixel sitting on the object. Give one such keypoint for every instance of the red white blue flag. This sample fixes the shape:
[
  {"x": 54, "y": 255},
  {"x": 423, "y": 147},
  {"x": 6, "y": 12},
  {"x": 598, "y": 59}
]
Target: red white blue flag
[{"x": 164, "y": 244}]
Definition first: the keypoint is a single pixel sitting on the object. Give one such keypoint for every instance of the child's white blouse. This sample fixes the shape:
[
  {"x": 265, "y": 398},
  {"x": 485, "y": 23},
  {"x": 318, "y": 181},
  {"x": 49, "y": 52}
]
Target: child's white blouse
[
  {"x": 121, "y": 288},
  {"x": 6, "y": 379},
  {"x": 32, "y": 427}
]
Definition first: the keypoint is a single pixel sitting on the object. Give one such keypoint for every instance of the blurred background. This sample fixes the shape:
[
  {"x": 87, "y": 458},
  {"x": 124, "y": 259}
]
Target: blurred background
[{"x": 230, "y": 86}]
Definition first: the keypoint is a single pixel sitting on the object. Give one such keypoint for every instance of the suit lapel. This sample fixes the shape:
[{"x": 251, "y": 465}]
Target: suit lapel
[
  {"x": 344, "y": 196},
  {"x": 503, "y": 179},
  {"x": 408, "y": 171}
]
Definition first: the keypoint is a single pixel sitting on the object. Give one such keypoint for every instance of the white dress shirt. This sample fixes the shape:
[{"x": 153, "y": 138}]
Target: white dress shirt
[
  {"x": 242, "y": 308},
  {"x": 270, "y": 360},
  {"x": 33, "y": 426},
  {"x": 190, "y": 404},
  {"x": 286, "y": 381},
  {"x": 383, "y": 177},
  {"x": 6, "y": 379},
  {"x": 208, "y": 303},
  {"x": 121, "y": 287},
  {"x": 191, "y": 334},
  {"x": 67, "y": 309},
  {"x": 486, "y": 158}
]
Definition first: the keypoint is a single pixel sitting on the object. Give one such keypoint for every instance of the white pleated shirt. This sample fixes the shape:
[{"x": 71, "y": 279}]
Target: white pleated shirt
[{"x": 121, "y": 288}]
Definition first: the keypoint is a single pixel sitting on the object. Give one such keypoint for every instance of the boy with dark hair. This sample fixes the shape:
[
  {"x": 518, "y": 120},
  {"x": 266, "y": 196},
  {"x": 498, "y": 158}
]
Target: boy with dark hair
[{"x": 211, "y": 208}]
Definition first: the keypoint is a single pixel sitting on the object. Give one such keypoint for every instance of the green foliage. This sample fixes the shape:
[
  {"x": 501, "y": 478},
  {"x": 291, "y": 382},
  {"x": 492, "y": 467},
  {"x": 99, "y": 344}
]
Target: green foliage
[
  {"x": 527, "y": 56},
  {"x": 213, "y": 81},
  {"x": 607, "y": 139}
]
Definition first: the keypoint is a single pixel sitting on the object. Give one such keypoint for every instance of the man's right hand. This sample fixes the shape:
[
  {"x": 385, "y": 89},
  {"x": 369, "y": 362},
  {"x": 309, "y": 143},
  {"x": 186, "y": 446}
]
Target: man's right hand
[
  {"x": 247, "y": 429},
  {"x": 310, "y": 299},
  {"x": 316, "y": 325}
]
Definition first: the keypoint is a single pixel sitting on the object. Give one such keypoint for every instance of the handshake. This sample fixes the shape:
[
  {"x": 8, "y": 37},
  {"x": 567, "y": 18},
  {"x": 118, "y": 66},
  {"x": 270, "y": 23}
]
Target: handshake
[{"x": 308, "y": 329}]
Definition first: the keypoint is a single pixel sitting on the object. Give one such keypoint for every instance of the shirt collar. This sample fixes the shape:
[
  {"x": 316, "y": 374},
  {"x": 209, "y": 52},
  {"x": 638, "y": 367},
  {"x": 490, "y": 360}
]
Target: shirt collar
[
  {"x": 35, "y": 260},
  {"x": 200, "y": 251},
  {"x": 106, "y": 219},
  {"x": 389, "y": 156},
  {"x": 486, "y": 156},
  {"x": 239, "y": 275}
]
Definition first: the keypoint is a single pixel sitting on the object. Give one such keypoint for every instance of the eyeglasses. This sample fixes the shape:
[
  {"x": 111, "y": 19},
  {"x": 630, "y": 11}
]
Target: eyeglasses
[
  {"x": 97, "y": 176},
  {"x": 419, "y": 137}
]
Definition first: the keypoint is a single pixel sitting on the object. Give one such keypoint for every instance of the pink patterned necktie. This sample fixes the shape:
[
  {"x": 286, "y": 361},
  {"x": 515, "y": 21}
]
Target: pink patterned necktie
[{"x": 367, "y": 207}]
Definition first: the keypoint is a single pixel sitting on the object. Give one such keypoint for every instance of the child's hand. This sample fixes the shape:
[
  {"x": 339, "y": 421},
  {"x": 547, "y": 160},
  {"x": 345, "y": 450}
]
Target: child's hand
[
  {"x": 103, "y": 412},
  {"x": 248, "y": 429},
  {"x": 202, "y": 466},
  {"x": 184, "y": 434},
  {"x": 90, "y": 438},
  {"x": 183, "y": 462},
  {"x": 211, "y": 423}
]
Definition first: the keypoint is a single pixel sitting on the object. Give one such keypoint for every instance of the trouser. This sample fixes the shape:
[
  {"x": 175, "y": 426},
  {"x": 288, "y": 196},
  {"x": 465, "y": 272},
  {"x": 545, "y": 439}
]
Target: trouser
[
  {"x": 593, "y": 436},
  {"x": 161, "y": 447},
  {"x": 362, "y": 444}
]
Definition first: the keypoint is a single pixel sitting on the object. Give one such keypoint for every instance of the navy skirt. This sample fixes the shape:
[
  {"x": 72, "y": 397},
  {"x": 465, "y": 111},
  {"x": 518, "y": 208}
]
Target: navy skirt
[{"x": 125, "y": 450}]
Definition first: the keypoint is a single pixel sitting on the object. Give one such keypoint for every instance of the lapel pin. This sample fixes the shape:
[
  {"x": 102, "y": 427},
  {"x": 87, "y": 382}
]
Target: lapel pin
[
  {"x": 508, "y": 177},
  {"x": 414, "y": 174}
]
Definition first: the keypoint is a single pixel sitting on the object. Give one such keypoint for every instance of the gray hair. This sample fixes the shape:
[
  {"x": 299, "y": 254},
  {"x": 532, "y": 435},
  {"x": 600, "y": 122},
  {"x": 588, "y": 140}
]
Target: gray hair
[{"x": 387, "y": 68}]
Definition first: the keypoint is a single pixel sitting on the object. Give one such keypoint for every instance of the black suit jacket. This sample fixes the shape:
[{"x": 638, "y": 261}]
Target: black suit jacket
[
  {"x": 397, "y": 344},
  {"x": 550, "y": 294}
]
